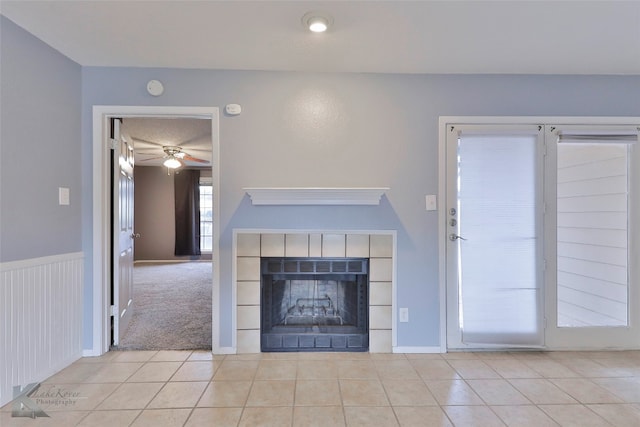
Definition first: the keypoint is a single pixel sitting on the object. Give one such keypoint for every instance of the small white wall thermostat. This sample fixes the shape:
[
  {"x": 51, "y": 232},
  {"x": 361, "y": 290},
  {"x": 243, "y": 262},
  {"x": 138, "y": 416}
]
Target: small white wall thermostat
[
  {"x": 63, "y": 196},
  {"x": 233, "y": 109},
  {"x": 155, "y": 87}
]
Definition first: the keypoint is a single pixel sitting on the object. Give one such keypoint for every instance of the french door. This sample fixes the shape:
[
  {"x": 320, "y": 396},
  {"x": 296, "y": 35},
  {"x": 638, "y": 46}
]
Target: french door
[
  {"x": 494, "y": 236},
  {"x": 592, "y": 293},
  {"x": 541, "y": 236}
]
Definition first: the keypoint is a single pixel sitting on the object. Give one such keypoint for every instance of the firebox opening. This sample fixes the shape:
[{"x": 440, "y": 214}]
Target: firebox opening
[{"x": 314, "y": 304}]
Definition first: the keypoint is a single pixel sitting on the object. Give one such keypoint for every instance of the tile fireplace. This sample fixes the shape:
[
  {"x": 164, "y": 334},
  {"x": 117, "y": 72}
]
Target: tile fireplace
[{"x": 294, "y": 291}]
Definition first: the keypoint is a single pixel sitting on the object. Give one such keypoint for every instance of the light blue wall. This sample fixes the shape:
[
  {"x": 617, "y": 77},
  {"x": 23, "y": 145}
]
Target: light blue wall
[
  {"x": 39, "y": 147},
  {"x": 305, "y": 129}
]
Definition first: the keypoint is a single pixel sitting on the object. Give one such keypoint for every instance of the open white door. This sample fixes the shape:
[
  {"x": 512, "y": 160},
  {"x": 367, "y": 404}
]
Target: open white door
[{"x": 123, "y": 233}]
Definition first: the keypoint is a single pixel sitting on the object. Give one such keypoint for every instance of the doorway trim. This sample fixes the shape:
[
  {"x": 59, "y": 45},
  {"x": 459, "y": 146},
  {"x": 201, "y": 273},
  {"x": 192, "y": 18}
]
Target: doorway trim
[{"x": 101, "y": 212}]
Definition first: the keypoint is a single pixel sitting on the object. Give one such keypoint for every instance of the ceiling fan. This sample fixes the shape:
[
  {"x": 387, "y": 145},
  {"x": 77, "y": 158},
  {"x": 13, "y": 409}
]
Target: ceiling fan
[{"x": 175, "y": 157}]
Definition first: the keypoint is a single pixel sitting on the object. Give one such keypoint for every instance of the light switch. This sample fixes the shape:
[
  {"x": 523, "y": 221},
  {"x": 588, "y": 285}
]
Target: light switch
[
  {"x": 431, "y": 202},
  {"x": 404, "y": 314},
  {"x": 63, "y": 196}
]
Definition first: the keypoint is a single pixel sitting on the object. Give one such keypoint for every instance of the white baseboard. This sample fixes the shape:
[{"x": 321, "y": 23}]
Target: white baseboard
[
  {"x": 225, "y": 350},
  {"x": 91, "y": 352},
  {"x": 418, "y": 350}
]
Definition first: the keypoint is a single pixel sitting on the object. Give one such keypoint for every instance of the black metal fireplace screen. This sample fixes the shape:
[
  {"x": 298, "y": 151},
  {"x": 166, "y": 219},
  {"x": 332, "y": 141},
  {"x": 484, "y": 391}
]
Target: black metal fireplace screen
[{"x": 314, "y": 304}]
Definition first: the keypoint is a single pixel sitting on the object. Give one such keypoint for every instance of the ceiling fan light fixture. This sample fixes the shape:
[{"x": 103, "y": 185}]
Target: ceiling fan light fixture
[
  {"x": 317, "y": 22},
  {"x": 172, "y": 163}
]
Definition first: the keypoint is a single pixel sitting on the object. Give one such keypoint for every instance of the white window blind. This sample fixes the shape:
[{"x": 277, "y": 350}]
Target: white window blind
[
  {"x": 592, "y": 229},
  {"x": 498, "y": 195}
]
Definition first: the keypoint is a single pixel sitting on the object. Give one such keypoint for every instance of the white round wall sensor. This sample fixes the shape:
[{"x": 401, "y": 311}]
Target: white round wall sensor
[
  {"x": 233, "y": 109},
  {"x": 155, "y": 87}
]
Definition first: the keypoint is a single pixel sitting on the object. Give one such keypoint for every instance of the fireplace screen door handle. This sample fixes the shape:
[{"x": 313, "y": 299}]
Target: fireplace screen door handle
[{"x": 453, "y": 237}]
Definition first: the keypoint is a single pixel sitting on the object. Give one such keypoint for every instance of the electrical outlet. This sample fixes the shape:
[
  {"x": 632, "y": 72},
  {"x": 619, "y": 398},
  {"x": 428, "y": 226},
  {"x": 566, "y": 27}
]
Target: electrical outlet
[{"x": 404, "y": 315}]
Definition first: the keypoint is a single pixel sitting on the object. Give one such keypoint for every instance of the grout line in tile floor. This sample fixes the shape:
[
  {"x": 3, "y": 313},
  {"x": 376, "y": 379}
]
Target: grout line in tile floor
[{"x": 169, "y": 388}]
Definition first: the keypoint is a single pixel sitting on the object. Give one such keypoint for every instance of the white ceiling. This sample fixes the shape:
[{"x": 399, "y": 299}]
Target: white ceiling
[{"x": 560, "y": 36}]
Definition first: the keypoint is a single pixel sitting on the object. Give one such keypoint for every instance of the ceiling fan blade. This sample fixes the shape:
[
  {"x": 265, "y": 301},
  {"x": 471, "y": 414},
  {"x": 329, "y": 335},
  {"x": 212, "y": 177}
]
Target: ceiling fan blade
[
  {"x": 152, "y": 158},
  {"x": 202, "y": 150},
  {"x": 206, "y": 136},
  {"x": 145, "y": 144},
  {"x": 193, "y": 159}
]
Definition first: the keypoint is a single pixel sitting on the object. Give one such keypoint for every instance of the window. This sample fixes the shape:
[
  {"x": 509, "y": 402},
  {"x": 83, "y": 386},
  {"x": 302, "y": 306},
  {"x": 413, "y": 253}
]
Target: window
[
  {"x": 206, "y": 214},
  {"x": 592, "y": 231}
]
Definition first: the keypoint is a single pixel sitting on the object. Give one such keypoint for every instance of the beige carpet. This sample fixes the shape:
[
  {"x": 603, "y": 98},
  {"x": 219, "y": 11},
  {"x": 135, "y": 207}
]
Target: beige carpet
[{"x": 171, "y": 307}]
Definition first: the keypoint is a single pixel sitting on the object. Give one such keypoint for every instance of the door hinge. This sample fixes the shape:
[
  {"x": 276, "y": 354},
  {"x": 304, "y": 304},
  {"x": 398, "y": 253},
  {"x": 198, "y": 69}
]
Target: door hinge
[
  {"x": 113, "y": 143},
  {"x": 114, "y": 310}
]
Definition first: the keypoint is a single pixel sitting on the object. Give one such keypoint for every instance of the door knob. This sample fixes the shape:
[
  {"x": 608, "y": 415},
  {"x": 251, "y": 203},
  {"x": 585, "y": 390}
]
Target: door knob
[
  {"x": 453, "y": 237},
  {"x": 135, "y": 235}
]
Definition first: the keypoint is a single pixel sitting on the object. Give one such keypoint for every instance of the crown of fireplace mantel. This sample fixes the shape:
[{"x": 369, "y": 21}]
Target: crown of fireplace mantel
[{"x": 315, "y": 195}]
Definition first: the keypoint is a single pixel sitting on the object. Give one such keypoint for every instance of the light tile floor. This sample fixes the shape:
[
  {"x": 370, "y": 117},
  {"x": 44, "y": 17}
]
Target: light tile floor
[{"x": 184, "y": 388}]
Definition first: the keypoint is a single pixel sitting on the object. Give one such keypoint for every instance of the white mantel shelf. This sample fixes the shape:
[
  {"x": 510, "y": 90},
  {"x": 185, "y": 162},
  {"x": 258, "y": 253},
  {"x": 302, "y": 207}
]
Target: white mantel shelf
[{"x": 316, "y": 196}]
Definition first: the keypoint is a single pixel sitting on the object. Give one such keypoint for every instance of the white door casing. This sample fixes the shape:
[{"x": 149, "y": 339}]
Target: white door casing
[{"x": 101, "y": 234}]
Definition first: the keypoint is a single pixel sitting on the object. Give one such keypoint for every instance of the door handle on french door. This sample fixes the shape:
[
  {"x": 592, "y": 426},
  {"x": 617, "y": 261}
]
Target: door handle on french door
[{"x": 453, "y": 237}]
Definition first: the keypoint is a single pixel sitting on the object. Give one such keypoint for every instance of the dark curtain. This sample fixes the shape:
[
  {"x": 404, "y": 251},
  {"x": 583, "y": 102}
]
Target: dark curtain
[{"x": 187, "y": 195}]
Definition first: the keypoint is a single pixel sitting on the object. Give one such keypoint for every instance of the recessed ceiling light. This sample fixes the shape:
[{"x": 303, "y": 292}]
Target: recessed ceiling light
[{"x": 318, "y": 22}]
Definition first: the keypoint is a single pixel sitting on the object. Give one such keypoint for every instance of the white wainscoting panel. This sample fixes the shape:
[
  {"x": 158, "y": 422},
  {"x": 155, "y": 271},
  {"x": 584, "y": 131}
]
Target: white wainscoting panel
[{"x": 40, "y": 319}]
